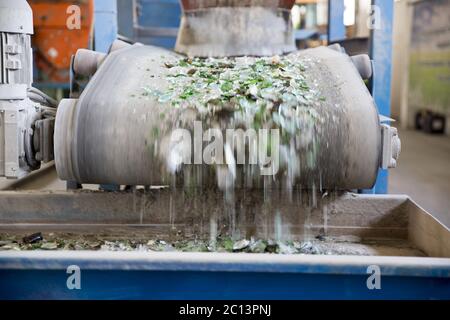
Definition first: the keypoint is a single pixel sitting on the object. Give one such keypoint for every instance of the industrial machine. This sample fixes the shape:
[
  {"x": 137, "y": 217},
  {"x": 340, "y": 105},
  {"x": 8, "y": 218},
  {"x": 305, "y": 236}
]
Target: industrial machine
[
  {"x": 26, "y": 114},
  {"x": 350, "y": 141},
  {"x": 120, "y": 131}
]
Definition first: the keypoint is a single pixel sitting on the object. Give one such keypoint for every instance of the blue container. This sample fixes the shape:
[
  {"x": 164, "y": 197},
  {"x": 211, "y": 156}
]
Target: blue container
[{"x": 136, "y": 275}]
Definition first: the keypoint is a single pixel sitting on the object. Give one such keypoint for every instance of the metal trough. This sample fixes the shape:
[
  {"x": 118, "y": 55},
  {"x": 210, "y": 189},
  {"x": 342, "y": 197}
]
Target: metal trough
[{"x": 423, "y": 270}]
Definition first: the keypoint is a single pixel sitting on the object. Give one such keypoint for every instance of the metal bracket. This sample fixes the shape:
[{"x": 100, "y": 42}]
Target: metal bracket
[
  {"x": 391, "y": 146},
  {"x": 11, "y": 146},
  {"x": 43, "y": 141}
]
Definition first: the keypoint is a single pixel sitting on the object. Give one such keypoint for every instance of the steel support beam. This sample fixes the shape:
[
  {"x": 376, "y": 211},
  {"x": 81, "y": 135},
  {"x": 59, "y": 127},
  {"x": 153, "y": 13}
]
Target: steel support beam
[
  {"x": 381, "y": 53},
  {"x": 336, "y": 28},
  {"x": 105, "y": 24}
]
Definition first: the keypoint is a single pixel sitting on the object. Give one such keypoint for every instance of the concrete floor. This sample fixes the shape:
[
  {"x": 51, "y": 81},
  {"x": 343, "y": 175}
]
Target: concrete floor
[{"x": 423, "y": 172}]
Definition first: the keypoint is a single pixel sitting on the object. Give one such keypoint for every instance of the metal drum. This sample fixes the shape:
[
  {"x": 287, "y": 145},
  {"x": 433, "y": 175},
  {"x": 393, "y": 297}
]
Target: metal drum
[{"x": 116, "y": 132}]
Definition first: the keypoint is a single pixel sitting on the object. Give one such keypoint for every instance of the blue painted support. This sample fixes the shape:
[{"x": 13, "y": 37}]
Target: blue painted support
[
  {"x": 105, "y": 24},
  {"x": 336, "y": 28},
  {"x": 381, "y": 54}
]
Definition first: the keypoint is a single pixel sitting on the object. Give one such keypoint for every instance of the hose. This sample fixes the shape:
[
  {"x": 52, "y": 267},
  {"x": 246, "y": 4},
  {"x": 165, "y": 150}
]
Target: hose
[{"x": 39, "y": 96}]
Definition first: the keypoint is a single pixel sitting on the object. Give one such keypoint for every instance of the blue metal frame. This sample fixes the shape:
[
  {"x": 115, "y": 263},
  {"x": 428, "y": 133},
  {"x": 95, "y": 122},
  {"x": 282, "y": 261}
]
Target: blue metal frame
[
  {"x": 105, "y": 24},
  {"x": 381, "y": 54},
  {"x": 336, "y": 28},
  {"x": 158, "y": 14}
]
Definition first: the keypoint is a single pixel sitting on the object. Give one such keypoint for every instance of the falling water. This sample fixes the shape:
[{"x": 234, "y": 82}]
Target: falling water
[
  {"x": 315, "y": 192},
  {"x": 230, "y": 207},
  {"x": 213, "y": 230},
  {"x": 133, "y": 188},
  {"x": 278, "y": 227},
  {"x": 307, "y": 225},
  {"x": 172, "y": 213},
  {"x": 325, "y": 217},
  {"x": 143, "y": 203}
]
